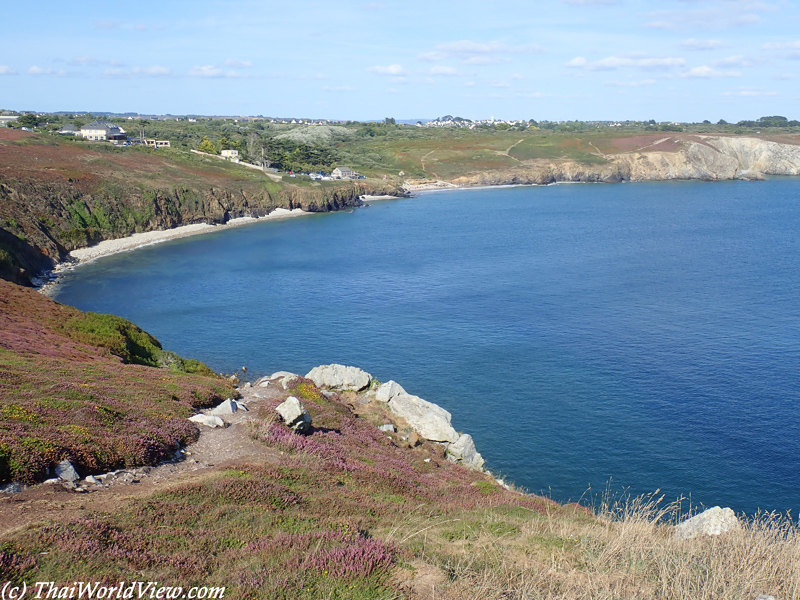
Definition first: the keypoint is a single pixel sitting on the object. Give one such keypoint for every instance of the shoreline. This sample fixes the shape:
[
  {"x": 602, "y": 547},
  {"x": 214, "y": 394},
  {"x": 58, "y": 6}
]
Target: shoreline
[{"x": 129, "y": 243}]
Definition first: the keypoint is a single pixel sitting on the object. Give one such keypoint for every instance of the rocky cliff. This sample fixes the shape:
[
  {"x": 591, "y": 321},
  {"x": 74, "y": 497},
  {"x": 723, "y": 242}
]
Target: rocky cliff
[
  {"x": 694, "y": 157},
  {"x": 41, "y": 222}
]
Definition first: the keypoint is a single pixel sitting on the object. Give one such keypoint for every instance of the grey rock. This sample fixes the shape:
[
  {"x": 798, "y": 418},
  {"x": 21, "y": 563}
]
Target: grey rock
[
  {"x": 50, "y": 481},
  {"x": 327, "y": 393},
  {"x": 339, "y": 377},
  {"x": 389, "y": 428},
  {"x": 68, "y": 485},
  {"x": 91, "y": 479},
  {"x": 764, "y": 597},
  {"x": 430, "y": 421},
  {"x": 463, "y": 452},
  {"x": 207, "y": 420},
  {"x": 228, "y": 407},
  {"x": 388, "y": 390},
  {"x": 294, "y": 414},
  {"x": 247, "y": 385},
  {"x": 65, "y": 471},
  {"x": 713, "y": 521},
  {"x": 14, "y": 487}
]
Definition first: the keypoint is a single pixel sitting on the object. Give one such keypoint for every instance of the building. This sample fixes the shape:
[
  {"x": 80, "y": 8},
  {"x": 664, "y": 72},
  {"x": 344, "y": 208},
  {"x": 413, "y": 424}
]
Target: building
[
  {"x": 343, "y": 173},
  {"x": 231, "y": 155},
  {"x": 69, "y": 129},
  {"x": 101, "y": 131},
  {"x": 6, "y": 119},
  {"x": 157, "y": 143}
]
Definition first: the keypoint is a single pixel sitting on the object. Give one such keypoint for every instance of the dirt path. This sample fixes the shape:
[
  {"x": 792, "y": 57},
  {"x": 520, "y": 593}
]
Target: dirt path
[
  {"x": 509, "y": 149},
  {"x": 422, "y": 160},
  {"x": 215, "y": 450}
]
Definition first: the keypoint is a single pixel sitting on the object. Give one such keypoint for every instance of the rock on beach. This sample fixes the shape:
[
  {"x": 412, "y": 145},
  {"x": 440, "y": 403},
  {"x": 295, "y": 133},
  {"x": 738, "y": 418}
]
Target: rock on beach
[{"x": 714, "y": 521}]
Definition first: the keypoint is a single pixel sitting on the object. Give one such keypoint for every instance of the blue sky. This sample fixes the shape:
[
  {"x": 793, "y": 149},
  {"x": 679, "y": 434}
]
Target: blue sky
[{"x": 683, "y": 60}]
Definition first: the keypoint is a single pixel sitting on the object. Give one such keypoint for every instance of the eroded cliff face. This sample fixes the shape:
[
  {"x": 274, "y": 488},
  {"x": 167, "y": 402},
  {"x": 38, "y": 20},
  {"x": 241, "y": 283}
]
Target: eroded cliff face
[
  {"x": 703, "y": 157},
  {"x": 41, "y": 222}
]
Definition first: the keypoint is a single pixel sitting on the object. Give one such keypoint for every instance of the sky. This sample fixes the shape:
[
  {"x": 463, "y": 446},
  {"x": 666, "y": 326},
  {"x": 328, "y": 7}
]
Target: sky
[{"x": 668, "y": 60}]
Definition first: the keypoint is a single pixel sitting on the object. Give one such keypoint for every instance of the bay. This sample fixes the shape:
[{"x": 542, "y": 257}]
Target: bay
[{"x": 646, "y": 335}]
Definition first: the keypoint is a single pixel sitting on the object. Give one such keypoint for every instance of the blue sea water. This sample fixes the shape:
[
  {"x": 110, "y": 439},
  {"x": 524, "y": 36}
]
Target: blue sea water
[{"x": 642, "y": 334}]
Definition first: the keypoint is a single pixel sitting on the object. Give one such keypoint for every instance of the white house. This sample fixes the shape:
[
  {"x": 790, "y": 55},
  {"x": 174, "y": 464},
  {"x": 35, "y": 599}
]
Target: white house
[
  {"x": 103, "y": 131},
  {"x": 6, "y": 119},
  {"x": 343, "y": 173},
  {"x": 231, "y": 155}
]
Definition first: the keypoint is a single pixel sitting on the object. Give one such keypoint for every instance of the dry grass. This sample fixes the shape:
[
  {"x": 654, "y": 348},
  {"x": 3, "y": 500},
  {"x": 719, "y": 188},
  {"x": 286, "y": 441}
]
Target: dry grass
[{"x": 627, "y": 551}]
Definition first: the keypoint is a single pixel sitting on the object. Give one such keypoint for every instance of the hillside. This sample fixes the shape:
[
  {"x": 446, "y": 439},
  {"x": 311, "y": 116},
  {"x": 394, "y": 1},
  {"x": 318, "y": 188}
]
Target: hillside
[
  {"x": 57, "y": 195},
  {"x": 344, "y": 510}
]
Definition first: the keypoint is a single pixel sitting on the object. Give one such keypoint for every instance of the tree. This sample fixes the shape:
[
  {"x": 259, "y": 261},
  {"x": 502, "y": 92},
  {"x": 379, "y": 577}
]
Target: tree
[
  {"x": 206, "y": 145},
  {"x": 389, "y": 121},
  {"x": 142, "y": 124},
  {"x": 28, "y": 120}
]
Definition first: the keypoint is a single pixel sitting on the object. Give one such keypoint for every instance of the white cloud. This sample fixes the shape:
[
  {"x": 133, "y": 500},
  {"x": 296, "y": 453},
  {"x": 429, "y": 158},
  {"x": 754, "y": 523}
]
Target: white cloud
[
  {"x": 590, "y": 2},
  {"x": 34, "y": 70},
  {"x": 750, "y": 93},
  {"x": 706, "y": 72},
  {"x": 782, "y": 46},
  {"x": 711, "y": 14},
  {"x": 577, "y": 62},
  {"x": 737, "y": 61},
  {"x": 374, "y": 6},
  {"x": 478, "y": 53},
  {"x": 387, "y": 70},
  {"x": 339, "y": 88},
  {"x": 500, "y": 84},
  {"x": 785, "y": 76},
  {"x": 6, "y": 70},
  {"x": 84, "y": 60},
  {"x": 105, "y": 24},
  {"x": 211, "y": 71},
  {"x": 238, "y": 64},
  {"x": 640, "y": 83},
  {"x": 693, "y": 44},
  {"x": 619, "y": 61},
  {"x": 442, "y": 70},
  {"x": 534, "y": 95},
  {"x": 136, "y": 72}
]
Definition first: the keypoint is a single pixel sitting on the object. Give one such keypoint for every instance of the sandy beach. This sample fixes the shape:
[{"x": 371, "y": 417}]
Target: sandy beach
[{"x": 139, "y": 240}]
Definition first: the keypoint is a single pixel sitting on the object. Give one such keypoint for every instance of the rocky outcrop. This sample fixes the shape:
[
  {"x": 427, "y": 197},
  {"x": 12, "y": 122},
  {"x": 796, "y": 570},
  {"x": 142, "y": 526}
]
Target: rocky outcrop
[
  {"x": 431, "y": 422},
  {"x": 714, "y": 521},
  {"x": 690, "y": 157},
  {"x": 295, "y": 415},
  {"x": 339, "y": 377}
]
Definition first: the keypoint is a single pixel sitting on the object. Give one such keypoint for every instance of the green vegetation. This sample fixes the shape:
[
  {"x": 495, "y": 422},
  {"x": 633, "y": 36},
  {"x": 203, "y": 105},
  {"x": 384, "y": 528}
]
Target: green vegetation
[{"x": 65, "y": 393}]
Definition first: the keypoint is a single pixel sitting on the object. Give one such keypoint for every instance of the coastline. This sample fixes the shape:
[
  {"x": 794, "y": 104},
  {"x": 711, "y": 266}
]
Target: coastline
[{"x": 105, "y": 248}]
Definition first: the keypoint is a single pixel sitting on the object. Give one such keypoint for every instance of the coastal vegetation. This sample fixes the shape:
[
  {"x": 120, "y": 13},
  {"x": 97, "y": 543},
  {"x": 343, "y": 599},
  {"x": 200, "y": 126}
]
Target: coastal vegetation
[{"x": 86, "y": 388}]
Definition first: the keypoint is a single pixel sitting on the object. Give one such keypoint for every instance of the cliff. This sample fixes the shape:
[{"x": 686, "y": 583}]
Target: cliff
[
  {"x": 56, "y": 197},
  {"x": 660, "y": 159}
]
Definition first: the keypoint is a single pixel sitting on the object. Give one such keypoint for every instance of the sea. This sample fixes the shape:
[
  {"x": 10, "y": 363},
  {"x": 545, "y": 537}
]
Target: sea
[{"x": 628, "y": 339}]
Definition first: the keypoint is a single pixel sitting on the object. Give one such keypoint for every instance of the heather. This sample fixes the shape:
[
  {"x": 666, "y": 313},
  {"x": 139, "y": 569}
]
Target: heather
[
  {"x": 75, "y": 386},
  {"x": 348, "y": 511}
]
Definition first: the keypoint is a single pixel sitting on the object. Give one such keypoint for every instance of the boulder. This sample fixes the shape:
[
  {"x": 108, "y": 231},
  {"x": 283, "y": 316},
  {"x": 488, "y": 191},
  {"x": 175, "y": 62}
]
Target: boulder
[
  {"x": 92, "y": 479},
  {"x": 388, "y": 428},
  {"x": 207, "y": 420},
  {"x": 430, "y": 421},
  {"x": 294, "y": 414},
  {"x": 388, "y": 390},
  {"x": 228, "y": 407},
  {"x": 65, "y": 471},
  {"x": 713, "y": 521},
  {"x": 339, "y": 377},
  {"x": 463, "y": 452},
  {"x": 284, "y": 378}
]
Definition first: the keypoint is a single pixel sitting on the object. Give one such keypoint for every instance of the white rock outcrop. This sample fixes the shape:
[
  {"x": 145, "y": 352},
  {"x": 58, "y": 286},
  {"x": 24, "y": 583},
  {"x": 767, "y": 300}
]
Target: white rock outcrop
[
  {"x": 463, "y": 452},
  {"x": 429, "y": 420},
  {"x": 388, "y": 390},
  {"x": 713, "y": 521},
  {"x": 228, "y": 407},
  {"x": 207, "y": 420},
  {"x": 294, "y": 414},
  {"x": 339, "y": 377}
]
